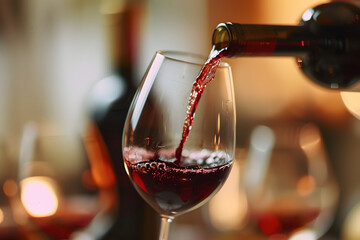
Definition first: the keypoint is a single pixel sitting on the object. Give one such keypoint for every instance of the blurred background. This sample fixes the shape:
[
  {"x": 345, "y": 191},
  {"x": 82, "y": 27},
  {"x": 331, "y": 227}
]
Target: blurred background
[{"x": 68, "y": 70}]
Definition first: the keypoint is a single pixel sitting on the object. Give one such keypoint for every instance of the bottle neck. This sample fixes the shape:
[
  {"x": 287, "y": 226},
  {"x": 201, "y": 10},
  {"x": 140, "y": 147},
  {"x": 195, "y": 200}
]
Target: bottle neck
[
  {"x": 262, "y": 40},
  {"x": 121, "y": 36}
]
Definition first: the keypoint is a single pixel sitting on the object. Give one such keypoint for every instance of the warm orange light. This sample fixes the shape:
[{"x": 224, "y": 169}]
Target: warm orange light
[
  {"x": 38, "y": 196},
  {"x": 352, "y": 102},
  {"x": 306, "y": 185},
  {"x": 10, "y": 188},
  {"x": 1, "y": 216},
  {"x": 99, "y": 158}
]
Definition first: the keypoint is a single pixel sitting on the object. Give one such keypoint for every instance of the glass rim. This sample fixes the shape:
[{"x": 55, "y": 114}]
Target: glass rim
[{"x": 173, "y": 56}]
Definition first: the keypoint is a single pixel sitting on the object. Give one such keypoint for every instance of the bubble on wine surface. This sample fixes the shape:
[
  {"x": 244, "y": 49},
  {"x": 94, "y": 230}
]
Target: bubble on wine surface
[
  {"x": 210, "y": 160},
  {"x": 153, "y": 166}
]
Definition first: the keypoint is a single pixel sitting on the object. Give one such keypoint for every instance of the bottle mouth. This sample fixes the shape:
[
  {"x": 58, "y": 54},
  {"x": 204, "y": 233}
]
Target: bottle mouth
[{"x": 221, "y": 37}]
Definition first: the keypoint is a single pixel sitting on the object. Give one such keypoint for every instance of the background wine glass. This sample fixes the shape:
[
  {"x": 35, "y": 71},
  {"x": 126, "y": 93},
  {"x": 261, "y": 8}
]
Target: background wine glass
[
  {"x": 290, "y": 186},
  {"x": 153, "y": 131},
  {"x": 57, "y": 194}
]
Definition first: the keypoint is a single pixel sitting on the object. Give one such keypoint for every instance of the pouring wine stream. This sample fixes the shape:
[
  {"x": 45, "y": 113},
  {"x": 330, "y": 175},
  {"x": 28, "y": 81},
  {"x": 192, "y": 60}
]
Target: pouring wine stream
[{"x": 205, "y": 76}]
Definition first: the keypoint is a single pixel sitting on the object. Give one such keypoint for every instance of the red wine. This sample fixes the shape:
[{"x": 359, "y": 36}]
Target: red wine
[
  {"x": 171, "y": 189},
  {"x": 285, "y": 222},
  {"x": 206, "y": 74},
  {"x": 62, "y": 225}
]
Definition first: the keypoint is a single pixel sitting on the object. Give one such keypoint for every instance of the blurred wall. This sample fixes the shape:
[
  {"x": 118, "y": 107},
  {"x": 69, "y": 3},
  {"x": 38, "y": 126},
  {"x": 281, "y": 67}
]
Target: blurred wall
[
  {"x": 51, "y": 52},
  {"x": 173, "y": 26}
]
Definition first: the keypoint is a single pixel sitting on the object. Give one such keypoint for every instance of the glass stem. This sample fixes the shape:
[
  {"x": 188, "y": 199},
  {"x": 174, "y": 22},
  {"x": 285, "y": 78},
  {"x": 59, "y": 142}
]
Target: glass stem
[{"x": 164, "y": 227}]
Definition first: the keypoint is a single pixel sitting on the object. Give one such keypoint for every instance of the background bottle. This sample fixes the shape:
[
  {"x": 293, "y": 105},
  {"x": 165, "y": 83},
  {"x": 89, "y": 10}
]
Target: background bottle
[
  {"x": 326, "y": 43},
  {"x": 108, "y": 104}
]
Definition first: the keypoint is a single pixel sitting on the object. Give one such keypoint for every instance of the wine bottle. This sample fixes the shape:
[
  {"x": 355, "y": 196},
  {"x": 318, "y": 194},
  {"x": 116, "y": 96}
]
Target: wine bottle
[
  {"x": 108, "y": 104},
  {"x": 326, "y": 44}
]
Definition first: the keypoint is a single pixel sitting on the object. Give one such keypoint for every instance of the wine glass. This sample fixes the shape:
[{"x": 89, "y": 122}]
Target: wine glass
[
  {"x": 153, "y": 131},
  {"x": 290, "y": 185},
  {"x": 57, "y": 195}
]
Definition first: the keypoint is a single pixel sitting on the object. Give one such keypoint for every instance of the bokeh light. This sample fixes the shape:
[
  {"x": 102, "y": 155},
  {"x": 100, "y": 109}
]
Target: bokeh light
[{"x": 38, "y": 196}]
